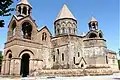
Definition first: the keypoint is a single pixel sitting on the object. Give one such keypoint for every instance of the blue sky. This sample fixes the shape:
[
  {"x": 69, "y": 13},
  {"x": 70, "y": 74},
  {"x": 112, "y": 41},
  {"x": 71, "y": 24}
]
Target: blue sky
[{"x": 105, "y": 11}]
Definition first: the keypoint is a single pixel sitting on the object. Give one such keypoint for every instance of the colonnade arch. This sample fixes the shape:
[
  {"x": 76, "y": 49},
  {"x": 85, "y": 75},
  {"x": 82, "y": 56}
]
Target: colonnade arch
[{"x": 25, "y": 57}]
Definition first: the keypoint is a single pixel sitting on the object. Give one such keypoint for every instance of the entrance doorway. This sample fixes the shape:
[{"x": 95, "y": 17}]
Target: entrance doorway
[{"x": 25, "y": 65}]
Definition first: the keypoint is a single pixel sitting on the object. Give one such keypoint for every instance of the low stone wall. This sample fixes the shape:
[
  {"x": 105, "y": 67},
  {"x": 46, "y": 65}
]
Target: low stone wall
[{"x": 75, "y": 72}]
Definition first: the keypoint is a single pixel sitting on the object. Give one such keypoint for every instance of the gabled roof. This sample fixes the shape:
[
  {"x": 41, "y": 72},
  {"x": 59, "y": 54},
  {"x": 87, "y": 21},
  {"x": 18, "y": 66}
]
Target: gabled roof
[
  {"x": 92, "y": 19},
  {"x": 24, "y": 2},
  {"x": 44, "y": 27},
  {"x": 65, "y": 13},
  {"x": 13, "y": 18},
  {"x": 18, "y": 18}
]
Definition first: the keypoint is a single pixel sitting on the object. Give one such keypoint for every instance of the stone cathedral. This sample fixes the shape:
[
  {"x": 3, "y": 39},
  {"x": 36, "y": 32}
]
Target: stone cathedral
[{"x": 30, "y": 49}]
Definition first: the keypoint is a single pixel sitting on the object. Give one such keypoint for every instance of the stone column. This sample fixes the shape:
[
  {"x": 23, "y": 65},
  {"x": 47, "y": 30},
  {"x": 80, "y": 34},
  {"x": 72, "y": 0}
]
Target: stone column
[
  {"x": 31, "y": 66},
  {"x": 3, "y": 68},
  {"x": 15, "y": 66},
  {"x": 12, "y": 67},
  {"x": 7, "y": 67}
]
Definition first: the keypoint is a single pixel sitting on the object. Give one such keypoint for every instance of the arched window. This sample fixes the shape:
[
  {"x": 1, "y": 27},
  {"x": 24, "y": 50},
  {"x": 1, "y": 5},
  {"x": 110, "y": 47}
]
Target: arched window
[
  {"x": 58, "y": 51},
  {"x": 100, "y": 35},
  {"x": 106, "y": 59},
  {"x": 54, "y": 58},
  {"x": 44, "y": 36},
  {"x": 25, "y": 10},
  {"x": 113, "y": 59},
  {"x": 63, "y": 24},
  {"x": 69, "y": 24},
  {"x": 63, "y": 30},
  {"x": 78, "y": 54},
  {"x": 19, "y": 9},
  {"x": 13, "y": 28},
  {"x": 58, "y": 25},
  {"x": 27, "y": 30},
  {"x": 82, "y": 65},
  {"x": 10, "y": 56},
  {"x": 74, "y": 60},
  {"x": 29, "y": 11},
  {"x": 62, "y": 56},
  {"x": 92, "y": 35},
  {"x": 58, "y": 31},
  {"x": 93, "y": 25},
  {"x": 70, "y": 30}
]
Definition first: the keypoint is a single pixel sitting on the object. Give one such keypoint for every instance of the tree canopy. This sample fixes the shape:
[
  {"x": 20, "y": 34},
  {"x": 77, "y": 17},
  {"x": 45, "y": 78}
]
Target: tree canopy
[{"x": 5, "y": 9}]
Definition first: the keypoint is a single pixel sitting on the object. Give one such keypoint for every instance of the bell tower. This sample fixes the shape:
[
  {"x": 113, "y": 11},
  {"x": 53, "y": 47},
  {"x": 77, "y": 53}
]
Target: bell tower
[
  {"x": 93, "y": 24},
  {"x": 23, "y": 8}
]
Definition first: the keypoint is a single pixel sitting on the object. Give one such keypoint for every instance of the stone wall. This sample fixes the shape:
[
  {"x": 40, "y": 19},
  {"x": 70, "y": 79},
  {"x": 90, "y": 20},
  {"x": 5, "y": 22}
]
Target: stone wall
[{"x": 76, "y": 72}]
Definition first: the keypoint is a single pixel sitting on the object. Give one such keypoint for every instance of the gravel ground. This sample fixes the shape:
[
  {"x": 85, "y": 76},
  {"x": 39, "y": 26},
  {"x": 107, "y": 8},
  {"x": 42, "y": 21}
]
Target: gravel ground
[{"x": 107, "y": 77}]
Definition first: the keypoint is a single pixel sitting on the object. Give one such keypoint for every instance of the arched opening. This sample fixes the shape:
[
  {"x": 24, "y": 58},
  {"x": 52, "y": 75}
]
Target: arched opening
[
  {"x": 93, "y": 25},
  {"x": 10, "y": 57},
  {"x": 69, "y": 29},
  {"x": 44, "y": 36},
  {"x": 19, "y": 9},
  {"x": 58, "y": 51},
  {"x": 13, "y": 28},
  {"x": 24, "y": 10},
  {"x": 92, "y": 35},
  {"x": 58, "y": 31},
  {"x": 62, "y": 56},
  {"x": 113, "y": 59},
  {"x": 63, "y": 30},
  {"x": 107, "y": 59},
  {"x": 100, "y": 35},
  {"x": 82, "y": 65},
  {"x": 69, "y": 24},
  {"x": 74, "y": 31},
  {"x": 27, "y": 30},
  {"x": 78, "y": 54},
  {"x": 63, "y": 24},
  {"x": 25, "y": 65},
  {"x": 53, "y": 58},
  {"x": 74, "y": 60},
  {"x": 29, "y": 11}
]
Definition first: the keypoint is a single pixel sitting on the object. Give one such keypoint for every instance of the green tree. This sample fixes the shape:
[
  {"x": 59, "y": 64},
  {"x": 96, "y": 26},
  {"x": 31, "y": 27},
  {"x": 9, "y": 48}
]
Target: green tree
[
  {"x": 5, "y": 9},
  {"x": 1, "y": 57}
]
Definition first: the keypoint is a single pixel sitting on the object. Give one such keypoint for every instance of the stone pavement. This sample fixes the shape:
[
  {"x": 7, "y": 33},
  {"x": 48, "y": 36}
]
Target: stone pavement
[{"x": 115, "y": 76}]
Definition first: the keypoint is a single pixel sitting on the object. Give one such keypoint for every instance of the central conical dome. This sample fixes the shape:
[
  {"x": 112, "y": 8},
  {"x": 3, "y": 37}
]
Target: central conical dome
[{"x": 65, "y": 13}]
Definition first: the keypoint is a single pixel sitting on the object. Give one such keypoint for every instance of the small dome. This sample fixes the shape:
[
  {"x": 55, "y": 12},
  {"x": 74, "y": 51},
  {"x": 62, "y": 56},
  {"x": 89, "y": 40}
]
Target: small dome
[
  {"x": 24, "y": 2},
  {"x": 92, "y": 19}
]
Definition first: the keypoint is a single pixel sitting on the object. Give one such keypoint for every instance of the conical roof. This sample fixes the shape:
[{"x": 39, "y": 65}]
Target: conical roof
[
  {"x": 92, "y": 19},
  {"x": 24, "y": 2},
  {"x": 65, "y": 13}
]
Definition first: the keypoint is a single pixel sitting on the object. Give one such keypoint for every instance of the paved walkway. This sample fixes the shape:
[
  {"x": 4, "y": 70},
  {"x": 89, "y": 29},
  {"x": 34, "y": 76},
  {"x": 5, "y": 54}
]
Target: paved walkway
[{"x": 107, "y": 77}]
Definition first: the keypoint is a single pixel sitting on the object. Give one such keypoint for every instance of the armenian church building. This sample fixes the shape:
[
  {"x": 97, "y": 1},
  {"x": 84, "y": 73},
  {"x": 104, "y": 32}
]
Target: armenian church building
[{"x": 29, "y": 49}]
